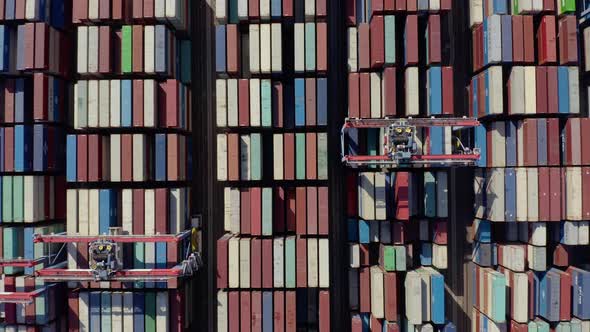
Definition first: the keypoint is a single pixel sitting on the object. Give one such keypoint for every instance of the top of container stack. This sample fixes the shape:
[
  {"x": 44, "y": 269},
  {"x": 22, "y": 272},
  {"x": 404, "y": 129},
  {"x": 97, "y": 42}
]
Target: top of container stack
[
  {"x": 362, "y": 12},
  {"x": 53, "y": 12},
  {"x": 174, "y": 13},
  {"x": 236, "y": 11}
]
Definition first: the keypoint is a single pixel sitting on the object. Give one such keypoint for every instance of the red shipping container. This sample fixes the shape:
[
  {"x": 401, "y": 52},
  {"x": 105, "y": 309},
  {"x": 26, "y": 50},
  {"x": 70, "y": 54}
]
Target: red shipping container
[
  {"x": 568, "y": 40},
  {"x": 256, "y": 318},
  {"x": 565, "y": 296},
  {"x": 95, "y": 158},
  {"x": 321, "y": 8},
  {"x": 402, "y": 211},
  {"x": 254, "y": 10},
  {"x": 553, "y": 142},
  {"x": 517, "y": 38},
  {"x": 544, "y": 194},
  {"x": 377, "y": 33},
  {"x": 222, "y": 249},
  {"x": 40, "y": 101},
  {"x": 549, "y": 5},
  {"x": 400, "y": 5},
  {"x": 279, "y": 311},
  {"x": 552, "y": 86},
  {"x": 104, "y": 59},
  {"x": 529, "y": 39},
  {"x": 82, "y": 156},
  {"x": 364, "y": 255},
  {"x": 376, "y": 324},
  {"x": 365, "y": 289},
  {"x": 267, "y": 277},
  {"x": 73, "y": 311},
  {"x": 29, "y": 44},
  {"x": 245, "y": 311},
  {"x": 256, "y": 264},
  {"x": 233, "y": 49},
  {"x": 137, "y": 9},
  {"x": 351, "y": 195},
  {"x": 244, "y": 102},
  {"x": 301, "y": 262},
  {"x": 364, "y": 46},
  {"x": 434, "y": 40},
  {"x": 256, "y": 211},
  {"x": 555, "y": 194},
  {"x": 41, "y": 46},
  {"x": 391, "y": 294},
  {"x": 447, "y": 91},
  {"x": 529, "y": 127},
  {"x": 288, "y": 8},
  {"x": 234, "y": 311},
  {"x": 561, "y": 255},
  {"x": 365, "y": 95},
  {"x": 138, "y": 103},
  {"x": 446, "y": 4},
  {"x": 233, "y": 159},
  {"x": 324, "y": 314},
  {"x": 389, "y": 5},
  {"x": 547, "y": 40},
  {"x": 322, "y": 45},
  {"x": 353, "y": 95},
  {"x": 311, "y": 156},
  {"x": 412, "y": 5},
  {"x": 105, "y": 9},
  {"x": 137, "y": 40},
  {"x": 312, "y": 210},
  {"x": 541, "y": 89},
  {"x": 376, "y": 8},
  {"x": 389, "y": 91},
  {"x": 411, "y": 40},
  {"x": 290, "y": 311}
]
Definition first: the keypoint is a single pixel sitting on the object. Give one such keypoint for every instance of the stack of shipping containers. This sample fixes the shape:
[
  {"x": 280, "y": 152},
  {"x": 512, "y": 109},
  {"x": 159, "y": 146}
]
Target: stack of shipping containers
[
  {"x": 128, "y": 157},
  {"x": 399, "y": 66},
  {"x": 273, "y": 265},
  {"x": 531, "y": 190},
  {"x": 34, "y": 66}
]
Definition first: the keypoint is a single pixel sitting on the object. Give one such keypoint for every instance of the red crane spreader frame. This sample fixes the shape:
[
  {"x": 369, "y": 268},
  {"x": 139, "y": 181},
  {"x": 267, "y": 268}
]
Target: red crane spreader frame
[
  {"x": 147, "y": 275},
  {"x": 444, "y": 160},
  {"x": 21, "y": 297},
  {"x": 75, "y": 238},
  {"x": 20, "y": 262}
]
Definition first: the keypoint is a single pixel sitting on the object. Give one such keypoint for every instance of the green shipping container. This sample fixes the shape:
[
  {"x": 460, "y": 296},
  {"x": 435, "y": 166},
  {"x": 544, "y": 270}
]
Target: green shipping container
[
  {"x": 290, "y": 262},
  {"x": 150, "y": 312},
  {"x": 310, "y": 46},
  {"x": 127, "y": 49},
  {"x": 255, "y": 157},
  {"x": 389, "y": 39},
  {"x": 322, "y": 156},
  {"x": 388, "y": 258},
  {"x": 266, "y": 102},
  {"x": 7, "y": 199},
  {"x": 266, "y": 211},
  {"x": 429, "y": 195}
]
